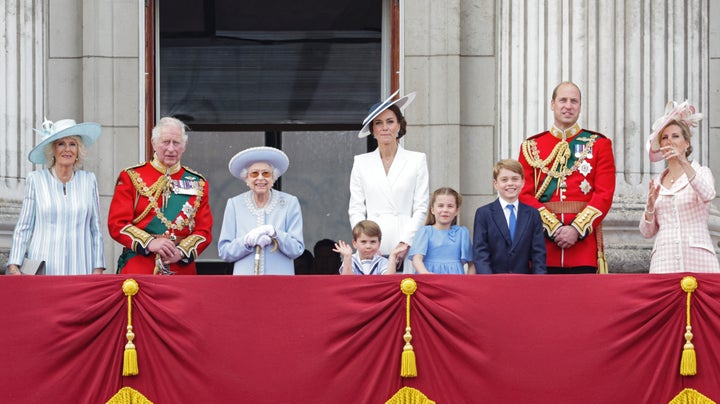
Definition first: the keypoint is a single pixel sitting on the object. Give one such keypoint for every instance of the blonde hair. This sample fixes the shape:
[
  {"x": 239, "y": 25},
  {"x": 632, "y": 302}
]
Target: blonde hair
[
  {"x": 50, "y": 151},
  {"x": 430, "y": 218},
  {"x": 685, "y": 129},
  {"x": 510, "y": 165}
]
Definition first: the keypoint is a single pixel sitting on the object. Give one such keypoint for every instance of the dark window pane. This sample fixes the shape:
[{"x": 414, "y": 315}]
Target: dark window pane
[{"x": 271, "y": 62}]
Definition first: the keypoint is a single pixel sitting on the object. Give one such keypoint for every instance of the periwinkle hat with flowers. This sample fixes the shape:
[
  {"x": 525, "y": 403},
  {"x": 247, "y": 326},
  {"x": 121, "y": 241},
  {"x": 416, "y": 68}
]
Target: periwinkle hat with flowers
[
  {"x": 674, "y": 112},
  {"x": 52, "y": 131},
  {"x": 378, "y": 108},
  {"x": 262, "y": 154}
]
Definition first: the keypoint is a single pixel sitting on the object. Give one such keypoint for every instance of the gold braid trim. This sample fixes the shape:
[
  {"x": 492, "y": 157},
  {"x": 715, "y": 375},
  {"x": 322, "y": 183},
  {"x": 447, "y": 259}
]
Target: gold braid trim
[
  {"x": 138, "y": 236},
  {"x": 550, "y": 222},
  {"x": 189, "y": 245},
  {"x": 583, "y": 221},
  {"x": 153, "y": 192},
  {"x": 557, "y": 160}
]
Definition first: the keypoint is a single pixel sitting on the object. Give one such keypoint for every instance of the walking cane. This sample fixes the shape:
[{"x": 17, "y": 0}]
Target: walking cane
[
  {"x": 257, "y": 259},
  {"x": 258, "y": 250}
]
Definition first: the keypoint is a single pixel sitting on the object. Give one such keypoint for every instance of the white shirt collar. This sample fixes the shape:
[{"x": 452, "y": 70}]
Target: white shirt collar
[{"x": 505, "y": 203}]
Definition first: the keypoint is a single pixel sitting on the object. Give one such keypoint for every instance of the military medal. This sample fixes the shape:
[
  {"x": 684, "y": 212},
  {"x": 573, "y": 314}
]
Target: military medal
[
  {"x": 578, "y": 150},
  {"x": 186, "y": 187},
  {"x": 584, "y": 168},
  {"x": 585, "y": 186}
]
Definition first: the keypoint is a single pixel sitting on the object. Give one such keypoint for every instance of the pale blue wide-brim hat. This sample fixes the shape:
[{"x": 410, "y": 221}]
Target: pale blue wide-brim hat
[
  {"x": 262, "y": 154},
  {"x": 52, "y": 131},
  {"x": 378, "y": 108}
]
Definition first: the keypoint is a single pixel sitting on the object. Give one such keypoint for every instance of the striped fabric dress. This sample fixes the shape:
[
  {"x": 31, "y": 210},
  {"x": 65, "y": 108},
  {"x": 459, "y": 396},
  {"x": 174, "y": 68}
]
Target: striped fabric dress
[
  {"x": 680, "y": 225},
  {"x": 60, "y": 224}
]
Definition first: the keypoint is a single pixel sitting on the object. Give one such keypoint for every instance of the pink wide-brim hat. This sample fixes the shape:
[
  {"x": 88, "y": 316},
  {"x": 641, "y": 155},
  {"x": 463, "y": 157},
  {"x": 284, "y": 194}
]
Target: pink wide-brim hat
[{"x": 674, "y": 112}]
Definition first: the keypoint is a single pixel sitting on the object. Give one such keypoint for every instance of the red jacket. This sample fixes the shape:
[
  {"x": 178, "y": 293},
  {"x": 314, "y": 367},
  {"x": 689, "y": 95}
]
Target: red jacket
[
  {"x": 139, "y": 213},
  {"x": 571, "y": 183}
]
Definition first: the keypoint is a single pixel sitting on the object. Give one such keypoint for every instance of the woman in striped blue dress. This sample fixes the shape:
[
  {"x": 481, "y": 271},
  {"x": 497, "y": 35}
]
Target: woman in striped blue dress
[{"x": 59, "y": 220}]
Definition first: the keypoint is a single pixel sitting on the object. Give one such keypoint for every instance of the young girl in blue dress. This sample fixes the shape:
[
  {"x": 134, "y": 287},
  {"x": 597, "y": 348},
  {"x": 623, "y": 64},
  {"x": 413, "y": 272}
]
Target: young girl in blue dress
[{"x": 441, "y": 246}]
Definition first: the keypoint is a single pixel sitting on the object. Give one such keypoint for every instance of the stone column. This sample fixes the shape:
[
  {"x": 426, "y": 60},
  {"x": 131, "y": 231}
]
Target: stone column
[
  {"x": 22, "y": 70},
  {"x": 629, "y": 58}
]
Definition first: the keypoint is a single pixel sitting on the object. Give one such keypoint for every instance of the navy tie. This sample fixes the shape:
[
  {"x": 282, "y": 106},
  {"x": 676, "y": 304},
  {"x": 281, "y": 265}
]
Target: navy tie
[{"x": 513, "y": 220}]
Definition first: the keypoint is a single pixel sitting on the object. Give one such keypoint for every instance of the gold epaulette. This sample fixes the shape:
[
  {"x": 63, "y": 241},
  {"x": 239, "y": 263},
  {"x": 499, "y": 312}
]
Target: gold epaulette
[
  {"x": 189, "y": 245},
  {"x": 133, "y": 167},
  {"x": 550, "y": 222},
  {"x": 137, "y": 235},
  {"x": 191, "y": 171},
  {"x": 584, "y": 220}
]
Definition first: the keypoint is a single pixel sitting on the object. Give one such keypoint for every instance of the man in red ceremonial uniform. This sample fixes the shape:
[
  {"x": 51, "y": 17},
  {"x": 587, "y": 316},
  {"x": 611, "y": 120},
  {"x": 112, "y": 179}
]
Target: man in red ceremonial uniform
[
  {"x": 570, "y": 179},
  {"x": 160, "y": 211}
]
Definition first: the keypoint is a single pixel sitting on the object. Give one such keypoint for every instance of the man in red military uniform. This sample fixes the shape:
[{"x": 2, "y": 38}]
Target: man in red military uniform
[
  {"x": 570, "y": 179},
  {"x": 160, "y": 211}
]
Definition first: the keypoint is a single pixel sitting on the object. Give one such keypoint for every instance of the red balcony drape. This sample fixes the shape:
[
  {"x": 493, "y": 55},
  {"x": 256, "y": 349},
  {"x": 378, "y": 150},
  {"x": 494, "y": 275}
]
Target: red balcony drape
[{"x": 332, "y": 339}]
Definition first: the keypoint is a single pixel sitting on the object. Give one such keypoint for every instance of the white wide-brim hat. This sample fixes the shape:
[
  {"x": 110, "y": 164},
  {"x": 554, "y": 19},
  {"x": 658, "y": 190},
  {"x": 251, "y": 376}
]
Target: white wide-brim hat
[
  {"x": 378, "y": 108},
  {"x": 52, "y": 131},
  {"x": 674, "y": 112},
  {"x": 262, "y": 154}
]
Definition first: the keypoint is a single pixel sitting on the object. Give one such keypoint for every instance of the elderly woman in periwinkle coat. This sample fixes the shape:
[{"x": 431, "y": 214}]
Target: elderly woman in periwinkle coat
[{"x": 262, "y": 229}]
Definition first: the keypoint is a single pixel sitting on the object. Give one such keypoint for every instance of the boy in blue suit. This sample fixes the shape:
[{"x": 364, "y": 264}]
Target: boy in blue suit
[{"x": 496, "y": 248}]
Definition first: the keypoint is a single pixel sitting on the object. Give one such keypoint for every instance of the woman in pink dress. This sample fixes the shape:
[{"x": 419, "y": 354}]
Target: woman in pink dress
[{"x": 678, "y": 203}]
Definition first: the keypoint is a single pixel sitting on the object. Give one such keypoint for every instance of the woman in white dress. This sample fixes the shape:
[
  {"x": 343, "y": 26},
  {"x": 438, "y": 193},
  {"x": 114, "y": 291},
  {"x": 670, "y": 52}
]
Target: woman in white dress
[
  {"x": 390, "y": 184},
  {"x": 59, "y": 220}
]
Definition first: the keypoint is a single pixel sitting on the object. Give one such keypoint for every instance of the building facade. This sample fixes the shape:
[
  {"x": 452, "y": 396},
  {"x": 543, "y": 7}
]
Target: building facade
[{"x": 483, "y": 71}]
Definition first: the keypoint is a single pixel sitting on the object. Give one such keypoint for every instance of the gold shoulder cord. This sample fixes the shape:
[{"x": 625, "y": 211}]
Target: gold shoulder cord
[
  {"x": 152, "y": 192},
  {"x": 557, "y": 159}
]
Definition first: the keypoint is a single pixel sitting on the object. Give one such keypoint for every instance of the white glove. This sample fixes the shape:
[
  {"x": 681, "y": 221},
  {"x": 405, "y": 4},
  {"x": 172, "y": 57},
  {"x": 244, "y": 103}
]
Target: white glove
[
  {"x": 266, "y": 229},
  {"x": 251, "y": 238},
  {"x": 264, "y": 240}
]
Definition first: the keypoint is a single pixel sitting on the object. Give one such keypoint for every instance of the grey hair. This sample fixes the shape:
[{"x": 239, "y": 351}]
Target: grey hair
[
  {"x": 275, "y": 171},
  {"x": 50, "y": 152},
  {"x": 169, "y": 121}
]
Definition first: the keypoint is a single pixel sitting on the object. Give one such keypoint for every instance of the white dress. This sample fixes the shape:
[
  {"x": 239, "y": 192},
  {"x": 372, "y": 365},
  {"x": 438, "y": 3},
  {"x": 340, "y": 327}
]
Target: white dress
[
  {"x": 396, "y": 201},
  {"x": 60, "y": 224}
]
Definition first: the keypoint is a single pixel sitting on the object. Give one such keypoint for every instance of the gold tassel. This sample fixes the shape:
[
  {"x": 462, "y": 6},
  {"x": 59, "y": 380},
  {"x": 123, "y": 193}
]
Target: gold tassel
[
  {"x": 690, "y": 396},
  {"x": 408, "y": 367},
  {"x": 688, "y": 362},
  {"x": 602, "y": 263},
  {"x": 409, "y": 395},
  {"x": 128, "y": 395},
  {"x": 130, "y": 362}
]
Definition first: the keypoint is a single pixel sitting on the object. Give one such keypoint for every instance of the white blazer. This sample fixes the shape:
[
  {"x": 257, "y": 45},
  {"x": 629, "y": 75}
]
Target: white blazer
[{"x": 397, "y": 202}]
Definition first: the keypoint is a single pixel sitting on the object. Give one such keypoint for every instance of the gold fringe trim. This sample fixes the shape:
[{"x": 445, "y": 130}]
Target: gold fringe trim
[
  {"x": 690, "y": 396},
  {"x": 409, "y": 395},
  {"x": 688, "y": 362},
  {"x": 130, "y": 362},
  {"x": 408, "y": 367},
  {"x": 128, "y": 395}
]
